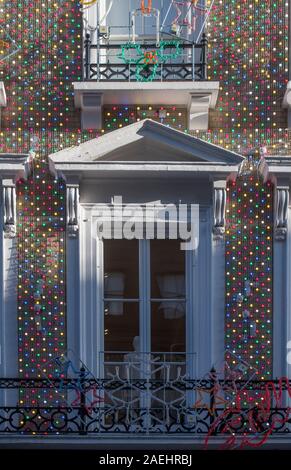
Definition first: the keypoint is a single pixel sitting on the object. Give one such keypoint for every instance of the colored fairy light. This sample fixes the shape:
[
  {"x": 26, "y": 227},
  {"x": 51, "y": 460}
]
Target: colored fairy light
[
  {"x": 41, "y": 273},
  {"x": 146, "y": 62},
  {"x": 248, "y": 43},
  {"x": 124, "y": 115},
  {"x": 249, "y": 264},
  {"x": 248, "y": 55},
  {"x": 38, "y": 79}
]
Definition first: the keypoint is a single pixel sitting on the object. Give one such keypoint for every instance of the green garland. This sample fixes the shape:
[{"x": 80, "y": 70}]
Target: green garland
[{"x": 147, "y": 62}]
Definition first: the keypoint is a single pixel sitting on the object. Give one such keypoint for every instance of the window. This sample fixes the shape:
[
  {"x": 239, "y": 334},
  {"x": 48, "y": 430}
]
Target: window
[
  {"x": 184, "y": 20},
  {"x": 121, "y": 294},
  {"x": 144, "y": 299},
  {"x": 145, "y": 314},
  {"x": 168, "y": 296}
]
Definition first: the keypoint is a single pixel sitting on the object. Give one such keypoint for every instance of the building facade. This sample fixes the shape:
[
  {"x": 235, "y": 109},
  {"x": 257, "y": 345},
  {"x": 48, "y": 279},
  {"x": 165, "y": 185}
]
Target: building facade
[{"x": 145, "y": 168}]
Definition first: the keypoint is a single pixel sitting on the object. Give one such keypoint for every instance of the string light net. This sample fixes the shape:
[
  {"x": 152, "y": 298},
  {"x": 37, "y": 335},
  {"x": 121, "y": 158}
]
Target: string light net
[
  {"x": 38, "y": 77},
  {"x": 40, "y": 57},
  {"x": 119, "y": 116},
  {"x": 249, "y": 266},
  {"x": 38, "y": 66},
  {"x": 41, "y": 276},
  {"x": 248, "y": 54}
]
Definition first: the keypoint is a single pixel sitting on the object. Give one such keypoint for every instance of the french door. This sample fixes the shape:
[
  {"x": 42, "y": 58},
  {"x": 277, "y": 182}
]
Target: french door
[
  {"x": 145, "y": 309},
  {"x": 144, "y": 299}
]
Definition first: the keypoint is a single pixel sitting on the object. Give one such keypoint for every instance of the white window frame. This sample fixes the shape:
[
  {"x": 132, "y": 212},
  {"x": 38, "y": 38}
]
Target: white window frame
[
  {"x": 145, "y": 302},
  {"x": 86, "y": 318}
]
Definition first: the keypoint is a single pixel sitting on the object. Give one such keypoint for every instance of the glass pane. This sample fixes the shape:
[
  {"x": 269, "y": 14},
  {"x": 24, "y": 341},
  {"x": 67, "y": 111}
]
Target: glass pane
[
  {"x": 121, "y": 337},
  {"x": 168, "y": 326},
  {"x": 167, "y": 269},
  {"x": 121, "y": 325},
  {"x": 121, "y": 269},
  {"x": 168, "y": 282},
  {"x": 118, "y": 16}
]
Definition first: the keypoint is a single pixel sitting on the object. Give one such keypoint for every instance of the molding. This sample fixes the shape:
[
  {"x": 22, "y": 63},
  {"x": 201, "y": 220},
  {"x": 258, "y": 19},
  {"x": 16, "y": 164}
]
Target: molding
[
  {"x": 145, "y": 92},
  {"x": 198, "y": 112},
  {"x": 188, "y": 147},
  {"x": 219, "y": 205},
  {"x": 12, "y": 165},
  {"x": 72, "y": 210},
  {"x": 9, "y": 208},
  {"x": 281, "y": 213},
  {"x": 91, "y": 110},
  {"x": 93, "y": 170}
]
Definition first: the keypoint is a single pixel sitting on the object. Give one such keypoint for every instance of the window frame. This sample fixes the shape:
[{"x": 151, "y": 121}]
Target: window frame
[
  {"x": 145, "y": 305},
  {"x": 205, "y": 271}
]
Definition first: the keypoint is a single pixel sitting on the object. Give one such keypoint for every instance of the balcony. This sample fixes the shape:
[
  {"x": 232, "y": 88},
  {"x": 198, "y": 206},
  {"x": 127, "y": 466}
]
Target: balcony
[
  {"x": 164, "y": 402},
  {"x": 172, "y": 74},
  {"x": 103, "y": 62}
]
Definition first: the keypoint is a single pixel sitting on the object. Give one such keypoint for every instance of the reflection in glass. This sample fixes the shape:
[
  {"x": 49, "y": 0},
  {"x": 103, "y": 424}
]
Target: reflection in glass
[
  {"x": 168, "y": 296},
  {"x": 121, "y": 269},
  {"x": 121, "y": 325},
  {"x": 167, "y": 259},
  {"x": 168, "y": 332},
  {"x": 121, "y": 317}
]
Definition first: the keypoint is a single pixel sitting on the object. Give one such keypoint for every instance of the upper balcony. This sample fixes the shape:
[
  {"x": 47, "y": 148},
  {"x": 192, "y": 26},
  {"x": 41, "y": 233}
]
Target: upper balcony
[
  {"x": 171, "y": 72},
  {"x": 173, "y": 61}
]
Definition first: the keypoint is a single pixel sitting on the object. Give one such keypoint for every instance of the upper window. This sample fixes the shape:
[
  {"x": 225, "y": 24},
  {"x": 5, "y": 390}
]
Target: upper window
[
  {"x": 144, "y": 296},
  {"x": 168, "y": 296},
  {"x": 182, "y": 19},
  {"x": 121, "y": 294}
]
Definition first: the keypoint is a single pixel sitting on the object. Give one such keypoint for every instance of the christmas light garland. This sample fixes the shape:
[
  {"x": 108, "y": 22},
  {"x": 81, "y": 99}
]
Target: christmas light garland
[
  {"x": 147, "y": 62},
  {"x": 248, "y": 56},
  {"x": 41, "y": 275},
  {"x": 249, "y": 270},
  {"x": 248, "y": 43}
]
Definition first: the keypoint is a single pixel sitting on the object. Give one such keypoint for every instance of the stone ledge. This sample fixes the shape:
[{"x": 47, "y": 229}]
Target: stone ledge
[{"x": 197, "y": 97}]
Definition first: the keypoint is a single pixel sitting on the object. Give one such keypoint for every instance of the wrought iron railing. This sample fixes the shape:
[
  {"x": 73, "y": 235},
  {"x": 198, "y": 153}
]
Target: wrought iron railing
[
  {"x": 103, "y": 62},
  {"x": 110, "y": 406}
]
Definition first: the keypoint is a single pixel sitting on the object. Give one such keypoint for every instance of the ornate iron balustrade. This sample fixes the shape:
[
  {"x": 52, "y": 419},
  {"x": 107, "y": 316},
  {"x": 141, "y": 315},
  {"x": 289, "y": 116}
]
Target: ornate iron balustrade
[
  {"x": 102, "y": 62},
  {"x": 110, "y": 406}
]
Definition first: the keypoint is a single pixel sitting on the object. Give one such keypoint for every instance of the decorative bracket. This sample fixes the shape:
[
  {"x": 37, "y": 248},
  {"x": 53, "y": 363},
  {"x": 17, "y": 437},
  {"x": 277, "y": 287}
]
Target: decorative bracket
[
  {"x": 9, "y": 208},
  {"x": 72, "y": 210},
  {"x": 219, "y": 203},
  {"x": 281, "y": 214},
  {"x": 198, "y": 111}
]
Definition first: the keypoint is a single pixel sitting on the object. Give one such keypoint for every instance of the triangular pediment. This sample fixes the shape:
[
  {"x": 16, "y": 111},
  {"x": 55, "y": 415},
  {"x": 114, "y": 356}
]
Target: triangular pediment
[{"x": 147, "y": 141}]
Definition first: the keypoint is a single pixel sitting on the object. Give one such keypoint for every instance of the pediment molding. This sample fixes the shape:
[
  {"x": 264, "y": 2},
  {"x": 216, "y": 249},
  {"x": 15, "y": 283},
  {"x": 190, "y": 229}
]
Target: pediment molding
[{"x": 130, "y": 144}]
